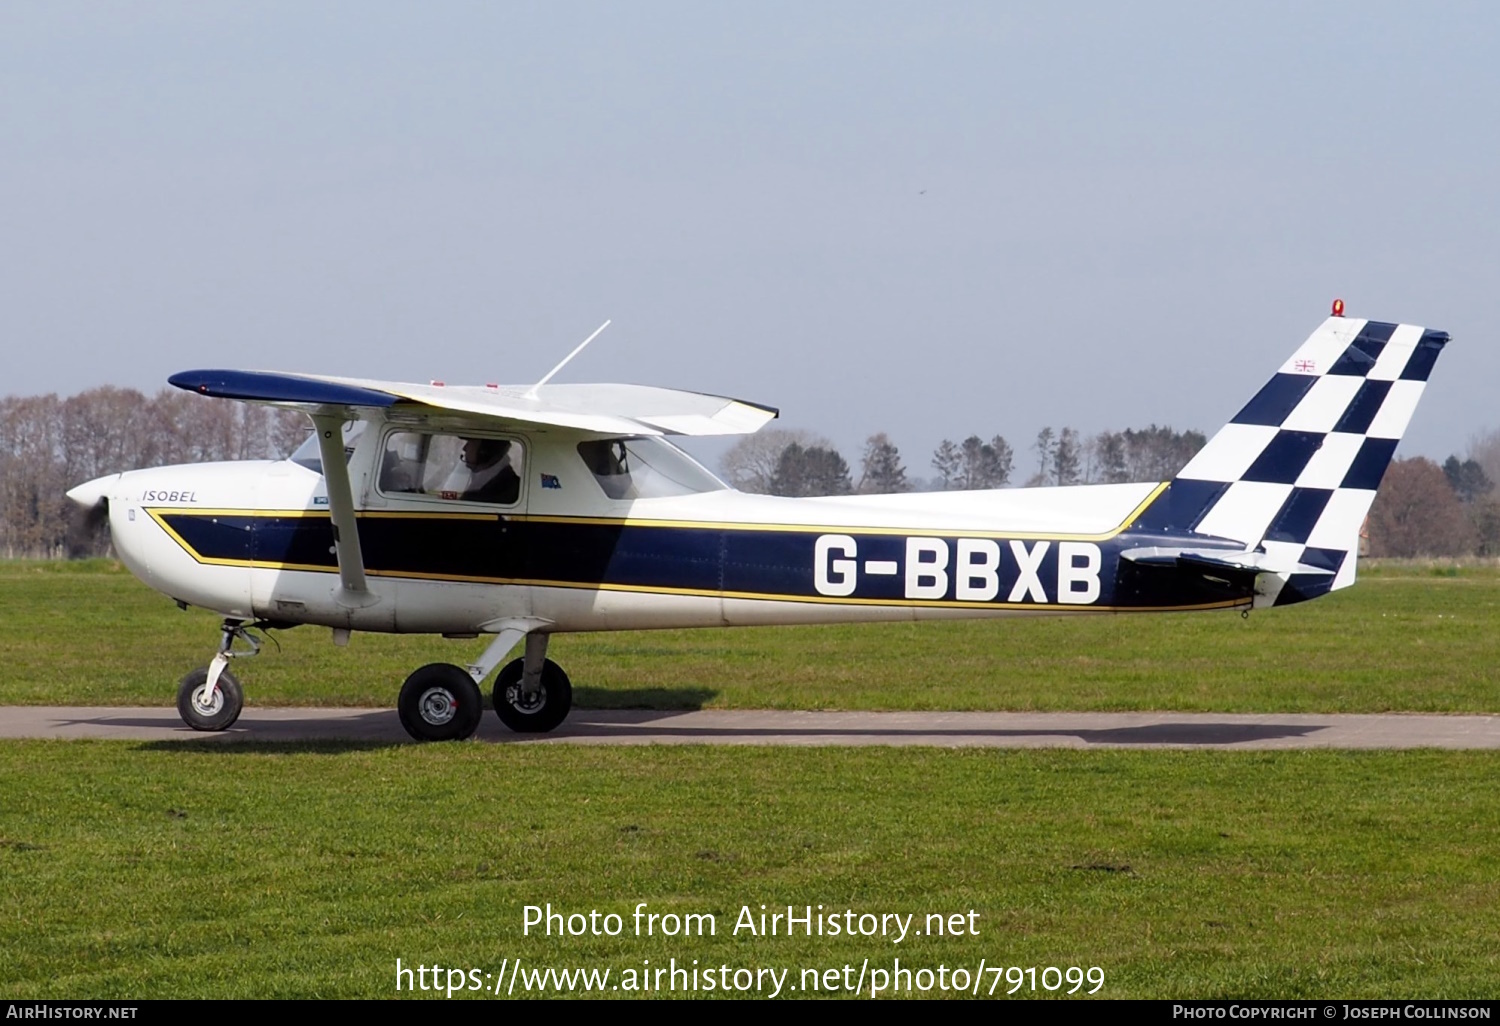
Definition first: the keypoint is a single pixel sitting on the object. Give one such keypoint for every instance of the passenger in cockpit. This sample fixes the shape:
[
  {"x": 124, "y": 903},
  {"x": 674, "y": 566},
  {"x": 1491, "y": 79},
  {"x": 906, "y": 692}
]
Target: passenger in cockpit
[{"x": 485, "y": 472}]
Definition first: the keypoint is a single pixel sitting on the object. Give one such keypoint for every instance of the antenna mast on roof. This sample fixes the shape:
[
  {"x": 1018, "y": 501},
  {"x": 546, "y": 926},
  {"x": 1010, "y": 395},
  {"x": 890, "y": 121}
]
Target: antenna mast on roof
[{"x": 531, "y": 393}]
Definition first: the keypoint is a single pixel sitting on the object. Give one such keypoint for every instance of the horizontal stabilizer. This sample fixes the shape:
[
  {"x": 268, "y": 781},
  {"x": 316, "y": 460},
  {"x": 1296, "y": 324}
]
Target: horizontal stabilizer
[{"x": 1228, "y": 559}]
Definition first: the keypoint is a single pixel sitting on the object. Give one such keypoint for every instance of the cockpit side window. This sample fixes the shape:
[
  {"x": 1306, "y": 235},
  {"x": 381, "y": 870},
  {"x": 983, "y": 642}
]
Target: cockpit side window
[
  {"x": 465, "y": 468},
  {"x": 644, "y": 468},
  {"x": 609, "y": 462}
]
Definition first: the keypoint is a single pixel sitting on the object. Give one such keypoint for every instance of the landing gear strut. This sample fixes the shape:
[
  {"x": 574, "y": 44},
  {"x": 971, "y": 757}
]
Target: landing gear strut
[
  {"x": 533, "y": 694},
  {"x": 210, "y": 698},
  {"x": 442, "y": 702}
]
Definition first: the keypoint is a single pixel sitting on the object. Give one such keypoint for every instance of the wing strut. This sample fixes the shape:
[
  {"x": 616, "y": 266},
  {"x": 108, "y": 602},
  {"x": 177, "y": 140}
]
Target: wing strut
[{"x": 352, "y": 590}]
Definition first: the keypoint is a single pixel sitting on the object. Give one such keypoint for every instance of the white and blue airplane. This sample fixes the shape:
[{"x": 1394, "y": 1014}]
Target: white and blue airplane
[{"x": 518, "y": 513}]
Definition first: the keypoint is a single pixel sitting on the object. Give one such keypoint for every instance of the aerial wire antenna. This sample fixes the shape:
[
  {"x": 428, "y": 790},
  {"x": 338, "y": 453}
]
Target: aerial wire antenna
[{"x": 531, "y": 393}]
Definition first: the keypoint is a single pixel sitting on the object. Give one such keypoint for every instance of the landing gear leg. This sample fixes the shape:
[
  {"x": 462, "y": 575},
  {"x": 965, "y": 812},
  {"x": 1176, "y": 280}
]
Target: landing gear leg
[
  {"x": 210, "y": 698},
  {"x": 533, "y": 694},
  {"x": 441, "y": 702}
]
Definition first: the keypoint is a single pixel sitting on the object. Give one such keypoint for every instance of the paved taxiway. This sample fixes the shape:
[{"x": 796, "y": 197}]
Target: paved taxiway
[{"x": 760, "y": 727}]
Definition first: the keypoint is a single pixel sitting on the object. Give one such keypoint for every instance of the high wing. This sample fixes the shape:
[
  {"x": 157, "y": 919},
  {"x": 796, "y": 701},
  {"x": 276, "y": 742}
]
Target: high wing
[{"x": 607, "y": 409}]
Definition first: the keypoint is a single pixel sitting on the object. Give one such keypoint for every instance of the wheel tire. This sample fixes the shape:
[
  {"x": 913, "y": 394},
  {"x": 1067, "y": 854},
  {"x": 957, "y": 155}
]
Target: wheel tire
[
  {"x": 218, "y": 713},
  {"x": 440, "y": 702},
  {"x": 548, "y": 709}
]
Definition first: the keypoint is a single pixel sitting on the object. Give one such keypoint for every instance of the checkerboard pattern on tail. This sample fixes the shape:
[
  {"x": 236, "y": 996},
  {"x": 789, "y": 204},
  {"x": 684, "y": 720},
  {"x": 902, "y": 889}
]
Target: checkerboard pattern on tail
[{"x": 1295, "y": 471}]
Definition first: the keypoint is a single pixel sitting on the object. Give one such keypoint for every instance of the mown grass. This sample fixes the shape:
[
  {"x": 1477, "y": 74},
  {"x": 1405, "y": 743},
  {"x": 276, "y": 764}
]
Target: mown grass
[
  {"x": 1409, "y": 637},
  {"x": 255, "y": 870},
  {"x": 245, "y": 870}
]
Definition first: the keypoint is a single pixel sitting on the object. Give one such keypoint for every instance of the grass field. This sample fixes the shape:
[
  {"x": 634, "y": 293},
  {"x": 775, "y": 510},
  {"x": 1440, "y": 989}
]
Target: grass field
[
  {"x": 250, "y": 870},
  {"x": 1405, "y": 638},
  {"x": 135, "y": 870}
]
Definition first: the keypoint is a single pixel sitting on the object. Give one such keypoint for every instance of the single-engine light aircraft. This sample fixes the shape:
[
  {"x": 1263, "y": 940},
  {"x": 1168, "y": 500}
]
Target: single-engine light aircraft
[{"x": 522, "y": 512}]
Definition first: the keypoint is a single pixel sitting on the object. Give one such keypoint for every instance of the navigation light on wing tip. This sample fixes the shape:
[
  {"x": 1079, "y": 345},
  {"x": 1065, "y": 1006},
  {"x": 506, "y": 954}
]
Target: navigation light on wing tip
[{"x": 1338, "y": 308}]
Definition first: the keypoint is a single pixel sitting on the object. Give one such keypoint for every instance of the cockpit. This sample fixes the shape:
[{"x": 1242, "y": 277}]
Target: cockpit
[{"x": 481, "y": 467}]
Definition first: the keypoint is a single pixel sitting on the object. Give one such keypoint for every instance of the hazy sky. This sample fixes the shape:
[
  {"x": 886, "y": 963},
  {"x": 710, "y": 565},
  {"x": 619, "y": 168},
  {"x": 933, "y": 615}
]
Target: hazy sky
[{"x": 933, "y": 220}]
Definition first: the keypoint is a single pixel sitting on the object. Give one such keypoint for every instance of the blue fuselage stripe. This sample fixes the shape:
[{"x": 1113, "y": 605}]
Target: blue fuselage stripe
[{"x": 717, "y": 559}]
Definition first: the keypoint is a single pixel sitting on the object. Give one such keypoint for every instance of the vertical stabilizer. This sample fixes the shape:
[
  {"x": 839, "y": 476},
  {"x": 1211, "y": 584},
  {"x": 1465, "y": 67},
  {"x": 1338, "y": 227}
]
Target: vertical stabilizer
[{"x": 1295, "y": 471}]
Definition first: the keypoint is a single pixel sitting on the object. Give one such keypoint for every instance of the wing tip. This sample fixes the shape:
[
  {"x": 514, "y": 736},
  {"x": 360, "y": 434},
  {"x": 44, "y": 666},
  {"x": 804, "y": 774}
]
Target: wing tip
[{"x": 277, "y": 387}]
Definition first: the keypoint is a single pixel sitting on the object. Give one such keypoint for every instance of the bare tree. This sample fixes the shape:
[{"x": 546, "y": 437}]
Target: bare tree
[
  {"x": 288, "y": 430},
  {"x": 750, "y": 464},
  {"x": 1045, "y": 448},
  {"x": 1105, "y": 458},
  {"x": 1485, "y": 518},
  {"x": 33, "y": 513},
  {"x": 1158, "y": 453},
  {"x": 48, "y": 444},
  {"x": 107, "y": 430},
  {"x": 1415, "y": 513},
  {"x": 1065, "y": 458},
  {"x": 1059, "y": 457}
]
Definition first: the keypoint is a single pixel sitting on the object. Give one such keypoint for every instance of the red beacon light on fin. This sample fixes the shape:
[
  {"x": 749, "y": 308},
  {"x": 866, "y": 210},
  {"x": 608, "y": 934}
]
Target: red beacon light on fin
[{"x": 1338, "y": 308}]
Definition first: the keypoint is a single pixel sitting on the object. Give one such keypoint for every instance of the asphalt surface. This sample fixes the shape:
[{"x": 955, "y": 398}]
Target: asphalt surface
[{"x": 759, "y": 727}]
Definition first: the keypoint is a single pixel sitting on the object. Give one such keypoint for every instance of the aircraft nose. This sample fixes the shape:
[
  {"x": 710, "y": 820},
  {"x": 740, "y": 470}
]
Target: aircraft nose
[{"x": 91, "y": 493}]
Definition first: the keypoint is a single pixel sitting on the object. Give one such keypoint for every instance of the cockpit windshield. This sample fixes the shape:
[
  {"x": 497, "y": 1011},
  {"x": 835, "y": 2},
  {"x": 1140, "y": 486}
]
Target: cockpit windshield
[
  {"x": 645, "y": 468},
  {"x": 308, "y": 455}
]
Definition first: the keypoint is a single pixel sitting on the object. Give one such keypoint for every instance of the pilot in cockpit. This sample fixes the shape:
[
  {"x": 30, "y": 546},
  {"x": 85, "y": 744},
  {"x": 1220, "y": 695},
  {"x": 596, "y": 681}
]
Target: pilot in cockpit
[{"x": 485, "y": 472}]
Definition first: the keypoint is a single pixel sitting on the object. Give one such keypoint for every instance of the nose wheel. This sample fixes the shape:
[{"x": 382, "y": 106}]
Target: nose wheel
[
  {"x": 210, "y": 698},
  {"x": 209, "y": 707}
]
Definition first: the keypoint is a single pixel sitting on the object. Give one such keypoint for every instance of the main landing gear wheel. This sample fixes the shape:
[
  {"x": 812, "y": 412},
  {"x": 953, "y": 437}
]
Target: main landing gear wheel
[
  {"x": 202, "y": 709},
  {"x": 539, "y": 711},
  {"x": 440, "y": 702}
]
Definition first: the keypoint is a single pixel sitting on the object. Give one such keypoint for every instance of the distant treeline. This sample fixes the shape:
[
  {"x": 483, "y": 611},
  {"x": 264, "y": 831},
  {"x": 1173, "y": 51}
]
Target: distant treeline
[
  {"x": 1422, "y": 509},
  {"x": 781, "y": 462},
  {"x": 48, "y": 445}
]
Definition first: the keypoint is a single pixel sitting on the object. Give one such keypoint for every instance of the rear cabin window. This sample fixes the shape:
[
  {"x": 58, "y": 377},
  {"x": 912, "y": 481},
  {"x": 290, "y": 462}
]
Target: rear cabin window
[
  {"x": 645, "y": 468},
  {"x": 463, "y": 468}
]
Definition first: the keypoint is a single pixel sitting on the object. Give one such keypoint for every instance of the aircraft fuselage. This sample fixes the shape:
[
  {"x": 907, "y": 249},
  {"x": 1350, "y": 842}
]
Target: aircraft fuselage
[{"x": 254, "y": 540}]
